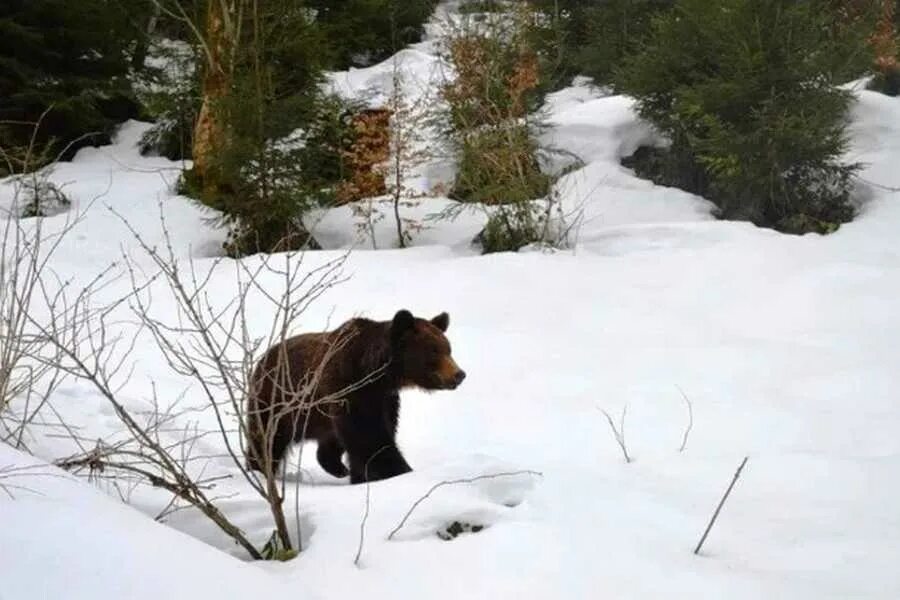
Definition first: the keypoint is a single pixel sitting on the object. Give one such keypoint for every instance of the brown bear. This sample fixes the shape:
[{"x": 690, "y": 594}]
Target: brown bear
[{"x": 342, "y": 389}]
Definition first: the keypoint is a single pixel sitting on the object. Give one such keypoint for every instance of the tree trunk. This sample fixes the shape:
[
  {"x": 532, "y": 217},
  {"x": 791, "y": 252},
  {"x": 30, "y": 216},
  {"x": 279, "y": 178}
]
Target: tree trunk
[
  {"x": 145, "y": 34},
  {"x": 209, "y": 131}
]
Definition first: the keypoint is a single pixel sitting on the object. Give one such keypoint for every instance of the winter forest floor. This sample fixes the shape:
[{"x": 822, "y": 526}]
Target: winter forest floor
[{"x": 786, "y": 346}]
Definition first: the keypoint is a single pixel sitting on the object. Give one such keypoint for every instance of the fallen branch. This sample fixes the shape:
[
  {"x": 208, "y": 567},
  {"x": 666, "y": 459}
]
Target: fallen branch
[
  {"x": 455, "y": 482},
  {"x": 721, "y": 503}
]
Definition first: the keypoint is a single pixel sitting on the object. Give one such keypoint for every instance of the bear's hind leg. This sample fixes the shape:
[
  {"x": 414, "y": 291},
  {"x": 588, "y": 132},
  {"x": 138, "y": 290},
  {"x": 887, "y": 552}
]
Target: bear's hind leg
[
  {"x": 259, "y": 455},
  {"x": 329, "y": 455}
]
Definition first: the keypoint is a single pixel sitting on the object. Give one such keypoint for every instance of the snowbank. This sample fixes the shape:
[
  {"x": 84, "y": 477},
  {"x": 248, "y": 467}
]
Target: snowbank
[{"x": 63, "y": 539}]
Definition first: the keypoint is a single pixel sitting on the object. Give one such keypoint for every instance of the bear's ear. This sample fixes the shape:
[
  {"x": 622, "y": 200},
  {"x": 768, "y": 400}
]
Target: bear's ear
[
  {"x": 403, "y": 322},
  {"x": 442, "y": 321}
]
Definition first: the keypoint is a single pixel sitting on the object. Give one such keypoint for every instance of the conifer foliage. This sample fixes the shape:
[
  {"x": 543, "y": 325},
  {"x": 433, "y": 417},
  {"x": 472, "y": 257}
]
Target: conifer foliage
[
  {"x": 64, "y": 64},
  {"x": 258, "y": 84},
  {"x": 362, "y": 32},
  {"x": 590, "y": 37},
  {"x": 745, "y": 90}
]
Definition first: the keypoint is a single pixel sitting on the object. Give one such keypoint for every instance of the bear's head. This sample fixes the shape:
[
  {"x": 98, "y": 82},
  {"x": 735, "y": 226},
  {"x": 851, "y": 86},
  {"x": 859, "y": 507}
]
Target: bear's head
[{"x": 421, "y": 352}]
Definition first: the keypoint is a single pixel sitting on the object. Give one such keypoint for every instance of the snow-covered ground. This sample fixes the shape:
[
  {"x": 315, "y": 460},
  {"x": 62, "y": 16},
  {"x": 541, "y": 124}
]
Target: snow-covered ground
[
  {"x": 786, "y": 346},
  {"x": 62, "y": 539}
]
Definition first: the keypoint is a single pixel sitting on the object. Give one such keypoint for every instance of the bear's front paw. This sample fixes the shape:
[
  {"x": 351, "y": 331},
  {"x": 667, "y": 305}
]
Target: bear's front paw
[{"x": 377, "y": 472}]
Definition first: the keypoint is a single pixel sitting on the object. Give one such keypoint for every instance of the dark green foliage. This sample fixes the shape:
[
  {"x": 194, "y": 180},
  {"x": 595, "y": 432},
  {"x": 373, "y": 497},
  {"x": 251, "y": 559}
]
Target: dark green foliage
[
  {"x": 261, "y": 190},
  {"x": 71, "y": 58},
  {"x": 480, "y": 6},
  {"x": 510, "y": 228},
  {"x": 173, "y": 102},
  {"x": 672, "y": 167},
  {"x": 850, "y": 27},
  {"x": 745, "y": 91},
  {"x": 615, "y": 29},
  {"x": 590, "y": 37},
  {"x": 887, "y": 84},
  {"x": 40, "y": 197},
  {"x": 172, "y": 28},
  {"x": 272, "y": 184},
  {"x": 326, "y": 136},
  {"x": 282, "y": 152},
  {"x": 363, "y": 32},
  {"x": 499, "y": 166}
]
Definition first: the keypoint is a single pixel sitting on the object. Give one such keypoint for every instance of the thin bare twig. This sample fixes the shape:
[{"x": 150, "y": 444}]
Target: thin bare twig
[
  {"x": 721, "y": 503},
  {"x": 8, "y": 472},
  {"x": 441, "y": 484},
  {"x": 885, "y": 188},
  {"x": 690, "y": 425},
  {"x": 362, "y": 524},
  {"x": 619, "y": 432}
]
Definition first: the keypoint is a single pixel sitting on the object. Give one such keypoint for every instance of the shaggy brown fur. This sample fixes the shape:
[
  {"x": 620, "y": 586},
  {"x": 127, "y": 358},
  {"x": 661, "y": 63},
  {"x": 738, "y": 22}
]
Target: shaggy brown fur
[{"x": 341, "y": 388}]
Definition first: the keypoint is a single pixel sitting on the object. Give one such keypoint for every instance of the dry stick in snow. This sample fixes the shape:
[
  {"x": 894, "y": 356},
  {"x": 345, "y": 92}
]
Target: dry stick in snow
[
  {"x": 619, "y": 432},
  {"x": 362, "y": 525},
  {"x": 721, "y": 503},
  {"x": 455, "y": 482},
  {"x": 690, "y": 424}
]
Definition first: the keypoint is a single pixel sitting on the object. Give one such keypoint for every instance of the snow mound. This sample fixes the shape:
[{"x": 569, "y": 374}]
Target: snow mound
[{"x": 63, "y": 539}]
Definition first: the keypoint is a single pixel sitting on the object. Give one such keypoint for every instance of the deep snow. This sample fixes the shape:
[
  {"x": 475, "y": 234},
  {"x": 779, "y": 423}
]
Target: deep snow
[
  {"x": 786, "y": 346},
  {"x": 62, "y": 539}
]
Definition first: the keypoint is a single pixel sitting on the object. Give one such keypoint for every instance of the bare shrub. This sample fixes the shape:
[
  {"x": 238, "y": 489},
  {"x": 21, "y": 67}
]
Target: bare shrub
[
  {"x": 367, "y": 213},
  {"x": 492, "y": 98},
  {"x": 410, "y": 149},
  {"x": 207, "y": 338},
  {"x": 383, "y": 158},
  {"x": 26, "y": 249}
]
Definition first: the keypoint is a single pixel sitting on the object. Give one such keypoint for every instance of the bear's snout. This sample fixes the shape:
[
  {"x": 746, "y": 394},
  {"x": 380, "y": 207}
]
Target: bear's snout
[
  {"x": 458, "y": 378},
  {"x": 453, "y": 382}
]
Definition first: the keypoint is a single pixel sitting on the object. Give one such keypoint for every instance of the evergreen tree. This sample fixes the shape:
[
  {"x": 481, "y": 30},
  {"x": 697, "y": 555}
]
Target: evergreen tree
[
  {"x": 259, "y": 74},
  {"x": 590, "y": 37},
  {"x": 69, "y": 60},
  {"x": 746, "y": 91},
  {"x": 363, "y": 32}
]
